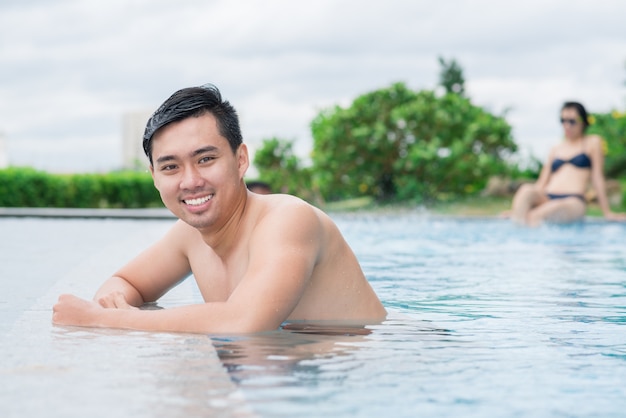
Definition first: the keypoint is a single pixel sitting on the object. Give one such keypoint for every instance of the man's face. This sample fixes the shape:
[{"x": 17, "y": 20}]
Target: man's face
[{"x": 197, "y": 174}]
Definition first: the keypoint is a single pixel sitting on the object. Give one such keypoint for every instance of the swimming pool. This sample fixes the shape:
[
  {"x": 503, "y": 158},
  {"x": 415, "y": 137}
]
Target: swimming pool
[{"x": 487, "y": 319}]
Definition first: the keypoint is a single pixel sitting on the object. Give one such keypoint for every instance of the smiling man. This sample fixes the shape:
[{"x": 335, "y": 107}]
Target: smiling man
[{"x": 258, "y": 260}]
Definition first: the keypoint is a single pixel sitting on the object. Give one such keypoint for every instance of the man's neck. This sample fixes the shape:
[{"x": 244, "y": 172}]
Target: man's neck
[{"x": 222, "y": 238}]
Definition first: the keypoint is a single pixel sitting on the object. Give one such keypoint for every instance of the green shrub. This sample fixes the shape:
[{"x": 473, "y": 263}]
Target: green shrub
[
  {"x": 27, "y": 187},
  {"x": 403, "y": 145},
  {"x": 612, "y": 128},
  {"x": 280, "y": 168}
]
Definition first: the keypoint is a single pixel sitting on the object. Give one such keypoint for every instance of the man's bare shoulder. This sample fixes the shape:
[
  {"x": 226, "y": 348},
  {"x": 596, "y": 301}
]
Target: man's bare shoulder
[
  {"x": 280, "y": 212},
  {"x": 286, "y": 205}
]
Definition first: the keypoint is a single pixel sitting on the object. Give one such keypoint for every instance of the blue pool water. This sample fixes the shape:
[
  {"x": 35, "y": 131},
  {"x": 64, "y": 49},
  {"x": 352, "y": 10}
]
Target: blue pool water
[{"x": 486, "y": 320}]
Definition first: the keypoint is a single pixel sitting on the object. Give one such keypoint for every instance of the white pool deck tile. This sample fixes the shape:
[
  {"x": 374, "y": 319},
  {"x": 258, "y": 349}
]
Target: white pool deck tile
[{"x": 50, "y": 371}]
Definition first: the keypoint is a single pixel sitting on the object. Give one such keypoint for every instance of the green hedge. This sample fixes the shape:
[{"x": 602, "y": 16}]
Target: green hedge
[{"x": 27, "y": 187}]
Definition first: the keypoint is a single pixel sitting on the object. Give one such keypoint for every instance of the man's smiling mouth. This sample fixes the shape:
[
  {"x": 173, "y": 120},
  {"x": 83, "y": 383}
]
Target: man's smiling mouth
[{"x": 198, "y": 201}]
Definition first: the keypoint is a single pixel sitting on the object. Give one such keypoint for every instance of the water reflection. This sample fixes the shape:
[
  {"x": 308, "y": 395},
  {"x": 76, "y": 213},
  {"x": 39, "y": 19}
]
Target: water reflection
[
  {"x": 287, "y": 355},
  {"x": 327, "y": 370},
  {"x": 299, "y": 353}
]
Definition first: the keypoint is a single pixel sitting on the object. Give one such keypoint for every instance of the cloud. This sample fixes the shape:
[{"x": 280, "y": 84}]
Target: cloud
[{"x": 72, "y": 68}]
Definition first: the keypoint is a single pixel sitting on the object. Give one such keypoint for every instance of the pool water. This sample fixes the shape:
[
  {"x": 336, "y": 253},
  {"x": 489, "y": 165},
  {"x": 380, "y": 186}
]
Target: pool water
[{"x": 486, "y": 319}]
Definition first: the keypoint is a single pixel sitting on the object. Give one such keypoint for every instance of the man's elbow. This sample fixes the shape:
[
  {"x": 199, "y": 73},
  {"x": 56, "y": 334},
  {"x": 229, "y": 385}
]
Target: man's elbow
[{"x": 250, "y": 324}]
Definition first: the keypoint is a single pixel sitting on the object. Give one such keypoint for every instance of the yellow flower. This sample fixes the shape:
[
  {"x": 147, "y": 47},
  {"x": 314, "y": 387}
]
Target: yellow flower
[
  {"x": 591, "y": 119},
  {"x": 605, "y": 146},
  {"x": 362, "y": 187}
]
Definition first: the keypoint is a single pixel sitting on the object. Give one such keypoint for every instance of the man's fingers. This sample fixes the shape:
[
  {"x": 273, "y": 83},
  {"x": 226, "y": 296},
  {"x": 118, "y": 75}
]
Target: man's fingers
[
  {"x": 120, "y": 301},
  {"x": 115, "y": 300},
  {"x": 112, "y": 300}
]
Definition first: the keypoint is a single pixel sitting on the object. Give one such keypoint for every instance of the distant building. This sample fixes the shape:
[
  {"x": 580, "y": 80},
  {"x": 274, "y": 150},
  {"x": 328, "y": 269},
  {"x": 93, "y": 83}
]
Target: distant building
[
  {"x": 133, "y": 126},
  {"x": 4, "y": 158}
]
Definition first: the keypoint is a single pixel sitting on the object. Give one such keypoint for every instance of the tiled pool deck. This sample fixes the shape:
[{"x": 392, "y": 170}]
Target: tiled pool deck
[{"x": 48, "y": 371}]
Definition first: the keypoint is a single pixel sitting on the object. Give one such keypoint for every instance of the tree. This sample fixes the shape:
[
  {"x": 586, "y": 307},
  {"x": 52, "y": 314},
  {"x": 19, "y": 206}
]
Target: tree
[
  {"x": 279, "y": 167},
  {"x": 354, "y": 151},
  {"x": 395, "y": 143},
  {"x": 451, "y": 77},
  {"x": 611, "y": 127},
  {"x": 452, "y": 147}
]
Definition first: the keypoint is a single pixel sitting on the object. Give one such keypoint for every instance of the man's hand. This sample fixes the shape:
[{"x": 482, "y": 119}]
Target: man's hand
[
  {"x": 115, "y": 300},
  {"x": 72, "y": 310}
]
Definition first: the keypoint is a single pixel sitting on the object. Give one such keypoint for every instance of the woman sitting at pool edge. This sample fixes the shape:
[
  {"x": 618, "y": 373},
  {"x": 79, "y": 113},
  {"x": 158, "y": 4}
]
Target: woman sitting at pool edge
[{"x": 558, "y": 194}]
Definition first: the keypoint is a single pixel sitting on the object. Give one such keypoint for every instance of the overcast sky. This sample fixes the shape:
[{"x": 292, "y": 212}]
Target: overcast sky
[{"x": 70, "y": 69}]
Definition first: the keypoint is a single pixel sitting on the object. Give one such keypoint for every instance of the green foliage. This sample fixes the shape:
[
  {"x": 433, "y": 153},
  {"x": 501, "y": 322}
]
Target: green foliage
[
  {"x": 27, "y": 187},
  {"x": 398, "y": 144},
  {"x": 612, "y": 128},
  {"x": 354, "y": 149},
  {"x": 129, "y": 189},
  {"x": 451, "y": 77},
  {"x": 281, "y": 168}
]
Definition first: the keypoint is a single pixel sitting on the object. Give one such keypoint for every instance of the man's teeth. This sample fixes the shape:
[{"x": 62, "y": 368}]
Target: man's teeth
[{"x": 198, "y": 201}]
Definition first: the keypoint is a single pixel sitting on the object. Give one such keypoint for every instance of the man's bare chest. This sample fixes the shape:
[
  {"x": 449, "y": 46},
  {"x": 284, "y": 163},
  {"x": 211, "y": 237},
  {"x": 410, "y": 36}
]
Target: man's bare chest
[{"x": 216, "y": 277}]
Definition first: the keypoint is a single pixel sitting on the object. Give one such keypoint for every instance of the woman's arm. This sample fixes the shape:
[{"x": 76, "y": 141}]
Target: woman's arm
[
  {"x": 597, "y": 178},
  {"x": 546, "y": 171}
]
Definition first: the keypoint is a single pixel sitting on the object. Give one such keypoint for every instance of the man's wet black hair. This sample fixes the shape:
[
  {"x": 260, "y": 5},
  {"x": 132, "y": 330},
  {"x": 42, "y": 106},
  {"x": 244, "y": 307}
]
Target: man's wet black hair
[{"x": 194, "y": 102}]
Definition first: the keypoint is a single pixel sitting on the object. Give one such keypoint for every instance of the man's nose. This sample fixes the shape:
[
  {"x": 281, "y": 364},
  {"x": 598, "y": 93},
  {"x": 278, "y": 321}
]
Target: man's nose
[{"x": 191, "y": 178}]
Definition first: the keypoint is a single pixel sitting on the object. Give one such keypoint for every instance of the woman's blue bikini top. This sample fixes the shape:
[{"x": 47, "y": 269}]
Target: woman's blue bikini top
[{"x": 581, "y": 161}]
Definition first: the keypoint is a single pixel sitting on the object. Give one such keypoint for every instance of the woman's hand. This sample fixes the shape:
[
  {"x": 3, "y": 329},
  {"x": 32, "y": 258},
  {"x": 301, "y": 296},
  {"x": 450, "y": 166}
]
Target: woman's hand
[{"x": 611, "y": 216}]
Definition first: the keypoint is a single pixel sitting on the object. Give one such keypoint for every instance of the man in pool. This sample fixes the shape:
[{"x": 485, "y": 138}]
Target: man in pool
[{"x": 258, "y": 260}]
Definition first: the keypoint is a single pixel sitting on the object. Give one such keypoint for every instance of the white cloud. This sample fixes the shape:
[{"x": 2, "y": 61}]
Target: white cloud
[
  {"x": 67, "y": 154},
  {"x": 72, "y": 68}
]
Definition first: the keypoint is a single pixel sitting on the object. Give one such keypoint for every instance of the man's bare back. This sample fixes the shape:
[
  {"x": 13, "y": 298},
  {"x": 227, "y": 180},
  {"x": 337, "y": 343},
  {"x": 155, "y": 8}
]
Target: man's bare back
[{"x": 258, "y": 260}]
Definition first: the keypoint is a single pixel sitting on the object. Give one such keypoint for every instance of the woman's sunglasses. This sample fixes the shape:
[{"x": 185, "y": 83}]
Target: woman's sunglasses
[{"x": 570, "y": 122}]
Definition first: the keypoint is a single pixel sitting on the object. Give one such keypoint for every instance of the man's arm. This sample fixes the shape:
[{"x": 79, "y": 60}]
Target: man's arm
[
  {"x": 72, "y": 310},
  {"x": 282, "y": 255},
  {"x": 144, "y": 279},
  {"x": 284, "y": 252},
  {"x": 117, "y": 292},
  {"x": 151, "y": 274}
]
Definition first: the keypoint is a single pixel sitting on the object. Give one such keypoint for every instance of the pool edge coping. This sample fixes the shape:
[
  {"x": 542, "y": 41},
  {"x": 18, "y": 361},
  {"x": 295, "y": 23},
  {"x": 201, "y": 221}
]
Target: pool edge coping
[
  {"x": 165, "y": 214},
  {"x": 147, "y": 213}
]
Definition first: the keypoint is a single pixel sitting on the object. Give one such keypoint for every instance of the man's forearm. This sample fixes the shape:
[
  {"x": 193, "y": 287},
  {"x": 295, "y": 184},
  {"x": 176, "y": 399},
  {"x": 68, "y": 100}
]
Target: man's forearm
[
  {"x": 118, "y": 284},
  {"x": 201, "y": 318}
]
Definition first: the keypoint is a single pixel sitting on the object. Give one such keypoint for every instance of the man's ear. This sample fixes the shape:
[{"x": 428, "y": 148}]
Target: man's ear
[{"x": 243, "y": 159}]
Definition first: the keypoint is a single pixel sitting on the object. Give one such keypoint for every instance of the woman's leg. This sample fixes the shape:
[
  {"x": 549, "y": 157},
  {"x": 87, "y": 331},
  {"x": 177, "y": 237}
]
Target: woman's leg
[
  {"x": 527, "y": 197},
  {"x": 564, "y": 210}
]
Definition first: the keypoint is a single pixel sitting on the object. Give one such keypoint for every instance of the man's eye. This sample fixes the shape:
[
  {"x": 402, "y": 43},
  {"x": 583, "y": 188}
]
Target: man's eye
[
  {"x": 205, "y": 159},
  {"x": 169, "y": 167}
]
